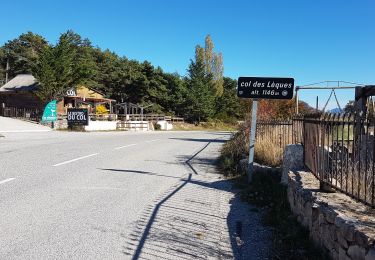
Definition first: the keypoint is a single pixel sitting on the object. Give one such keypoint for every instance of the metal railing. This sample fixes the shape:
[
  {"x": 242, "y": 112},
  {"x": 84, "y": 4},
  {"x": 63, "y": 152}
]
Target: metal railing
[
  {"x": 131, "y": 125},
  {"x": 149, "y": 117},
  {"x": 339, "y": 151}
]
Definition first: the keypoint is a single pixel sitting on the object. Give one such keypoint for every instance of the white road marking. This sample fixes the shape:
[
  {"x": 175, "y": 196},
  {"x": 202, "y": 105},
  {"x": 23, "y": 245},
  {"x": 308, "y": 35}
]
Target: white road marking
[
  {"x": 117, "y": 148},
  {"x": 6, "y": 180},
  {"x": 73, "y": 160},
  {"x": 152, "y": 140}
]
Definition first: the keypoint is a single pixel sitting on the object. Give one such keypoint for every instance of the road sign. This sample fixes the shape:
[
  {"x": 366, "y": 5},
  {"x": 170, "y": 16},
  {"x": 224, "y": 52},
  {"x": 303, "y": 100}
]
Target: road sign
[
  {"x": 78, "y": 116},
  {"x": 262, "y": 88},
  {"x": 265, "y": 88},
  {"x": 49, "y": 114}
]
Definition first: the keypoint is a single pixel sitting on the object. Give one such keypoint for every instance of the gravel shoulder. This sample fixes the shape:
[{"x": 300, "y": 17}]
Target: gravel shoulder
[{"x": 201, "y": 217}]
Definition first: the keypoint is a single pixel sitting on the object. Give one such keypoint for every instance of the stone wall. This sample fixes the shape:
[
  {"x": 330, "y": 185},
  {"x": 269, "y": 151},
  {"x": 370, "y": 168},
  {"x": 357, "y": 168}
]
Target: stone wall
[{"x": 337, "y": 223}]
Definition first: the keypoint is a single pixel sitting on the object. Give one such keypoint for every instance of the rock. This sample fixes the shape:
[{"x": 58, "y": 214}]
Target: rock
[
  {"x": 330, "y": 215},
  {"x": 332, "y": 232},
  {"x": 342, "y": 254},
  {"x": 315, "y": 212},
  {"x": 242, "y": 165},
  {"x": 293, "y": 160},
  {"x": 356, "y": 252},
  {"x": 346, "y": 229},
  {"x": 321, "y": 219},
  {"x": 307, "y": 212},
  {"x": 370, "y": 254},
  {"x": 334, "y": 254},
  {"x": 361, "y": 239},
  {"x": 348, "y": 232},
  {"x": 342, "y": 240}
]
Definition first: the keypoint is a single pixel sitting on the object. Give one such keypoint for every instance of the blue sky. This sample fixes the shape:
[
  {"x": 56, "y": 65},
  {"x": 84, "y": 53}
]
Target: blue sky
[{"x": 309, "y": 40}]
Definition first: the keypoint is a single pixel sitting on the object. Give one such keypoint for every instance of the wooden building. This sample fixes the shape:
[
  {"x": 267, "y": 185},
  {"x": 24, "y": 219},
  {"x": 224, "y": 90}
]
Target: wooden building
[{"x": 20, "y": 92}]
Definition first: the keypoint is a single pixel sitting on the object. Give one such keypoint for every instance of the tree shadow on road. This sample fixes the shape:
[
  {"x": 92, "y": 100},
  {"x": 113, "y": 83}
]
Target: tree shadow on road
[
  {"x": 143, "y": 172},
  {"x": 200, "y": 140}
]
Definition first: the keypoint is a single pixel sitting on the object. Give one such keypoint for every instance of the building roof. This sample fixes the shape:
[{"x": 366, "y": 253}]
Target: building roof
[
  {"x": 22, "y": 82},
  {"x": 27, "y": 82}
]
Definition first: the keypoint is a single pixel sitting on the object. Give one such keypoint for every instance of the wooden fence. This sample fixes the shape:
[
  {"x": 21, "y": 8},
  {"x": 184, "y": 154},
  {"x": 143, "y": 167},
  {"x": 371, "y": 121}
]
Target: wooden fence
[{"x": 32, "y": 114}]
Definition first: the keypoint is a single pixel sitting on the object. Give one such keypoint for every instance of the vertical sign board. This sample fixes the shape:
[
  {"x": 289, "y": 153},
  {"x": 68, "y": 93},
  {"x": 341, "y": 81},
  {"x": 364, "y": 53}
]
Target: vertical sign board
[
  {"x": 77, "y": 116},
  {"x": 262, "y": 88},
  {"x": 49, "y": 114}
]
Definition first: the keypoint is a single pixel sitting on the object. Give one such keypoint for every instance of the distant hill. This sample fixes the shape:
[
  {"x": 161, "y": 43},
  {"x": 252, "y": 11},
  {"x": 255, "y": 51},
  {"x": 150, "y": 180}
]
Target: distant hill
[{"x": 336, "y": 110}]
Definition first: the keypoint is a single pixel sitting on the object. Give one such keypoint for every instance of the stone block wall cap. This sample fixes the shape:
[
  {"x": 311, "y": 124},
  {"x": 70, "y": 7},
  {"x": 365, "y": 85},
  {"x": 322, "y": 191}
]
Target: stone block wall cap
[{"x": 341, "y": 222}]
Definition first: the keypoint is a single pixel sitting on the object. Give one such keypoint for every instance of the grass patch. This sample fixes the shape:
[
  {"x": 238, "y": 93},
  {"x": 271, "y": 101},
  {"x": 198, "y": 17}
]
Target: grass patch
[
  {"x": 266, "y": 152},
  {"x": 290, "y": 238}
]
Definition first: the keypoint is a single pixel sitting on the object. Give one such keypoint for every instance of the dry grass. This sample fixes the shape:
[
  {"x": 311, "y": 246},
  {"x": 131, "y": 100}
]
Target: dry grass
[
  {"x": 205, "y": 126},
  {"x": 268, "y": 153}
]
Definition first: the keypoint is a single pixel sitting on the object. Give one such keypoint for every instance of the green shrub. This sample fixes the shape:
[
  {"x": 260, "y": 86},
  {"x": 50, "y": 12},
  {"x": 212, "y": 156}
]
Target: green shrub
[
  {"x": 157, "y": 126},
  {"x": 232, "y": 152}
]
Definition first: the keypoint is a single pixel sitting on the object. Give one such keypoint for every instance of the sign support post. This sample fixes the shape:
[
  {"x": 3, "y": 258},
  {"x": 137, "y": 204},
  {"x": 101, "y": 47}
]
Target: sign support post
[{"x": 253, "y": 130}]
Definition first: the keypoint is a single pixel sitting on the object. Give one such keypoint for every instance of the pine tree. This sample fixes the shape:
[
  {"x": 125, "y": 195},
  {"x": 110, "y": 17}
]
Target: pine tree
[
  {"x": 22, "y": 53},
  {"x": 200, "y": 101},
  {"x": 45, "y": 74},
  {"x": 62, "y": 67}
]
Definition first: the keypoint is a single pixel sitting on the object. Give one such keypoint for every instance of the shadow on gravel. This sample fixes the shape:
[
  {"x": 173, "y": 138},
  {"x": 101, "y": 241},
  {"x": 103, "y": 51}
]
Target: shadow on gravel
[{"x": 186, "y": 226}]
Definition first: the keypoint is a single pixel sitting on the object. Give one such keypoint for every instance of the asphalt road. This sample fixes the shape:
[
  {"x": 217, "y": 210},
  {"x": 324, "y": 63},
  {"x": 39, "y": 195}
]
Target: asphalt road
[{"x": 81, "y": 195}]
